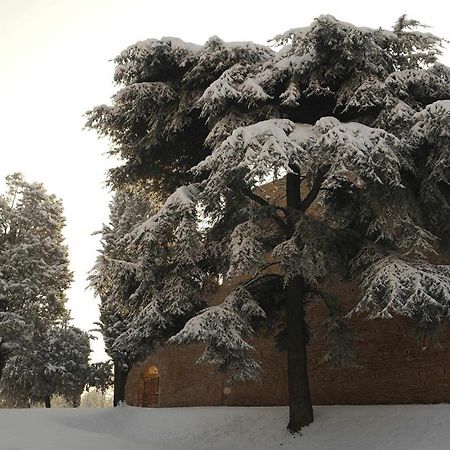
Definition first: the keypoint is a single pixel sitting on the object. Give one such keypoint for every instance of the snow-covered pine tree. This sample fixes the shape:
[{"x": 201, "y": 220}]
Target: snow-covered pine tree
[
  {"x": 147, "y": 277},
  {"x": 115, "y": 277},
  {"x": 354, "y": 121},
  {"x": 171, "y": 279},
  {"x": 55, "y": 364},
  {"x": 34, "y": 266},
  {"x": 39, "y": 355},
  {"x": 153, "y": 123}
]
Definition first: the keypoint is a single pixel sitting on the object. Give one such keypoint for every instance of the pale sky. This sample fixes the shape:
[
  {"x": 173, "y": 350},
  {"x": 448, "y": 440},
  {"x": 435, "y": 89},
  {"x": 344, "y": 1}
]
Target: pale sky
[{"x": 54, "y": 66}]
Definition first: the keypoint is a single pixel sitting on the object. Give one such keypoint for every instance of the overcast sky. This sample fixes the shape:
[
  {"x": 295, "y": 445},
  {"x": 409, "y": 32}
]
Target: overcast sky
[{"x": 55, "y": 65}]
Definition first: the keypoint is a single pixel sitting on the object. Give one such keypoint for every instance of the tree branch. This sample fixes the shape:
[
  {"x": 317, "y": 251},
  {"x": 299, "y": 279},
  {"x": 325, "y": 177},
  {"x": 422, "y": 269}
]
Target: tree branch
[
  {"x": 257, "y": 199},
  {"x": 262, "y": 269},
  {"x": 316, "y": 188}
]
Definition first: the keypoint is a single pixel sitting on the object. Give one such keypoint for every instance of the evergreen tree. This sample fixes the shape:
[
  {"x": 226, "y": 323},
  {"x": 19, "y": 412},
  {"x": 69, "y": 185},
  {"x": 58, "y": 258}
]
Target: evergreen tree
[
  {"x": 56, "y": 364},
  {"x": 354, "y": 122},
  {"x": 115, "y": 279},
  {"x": 153, "y": 123},
  {"x": 34, "y": 266},
  {"x": 40, "y": 356},
  {"x": 100, "y": 376}
]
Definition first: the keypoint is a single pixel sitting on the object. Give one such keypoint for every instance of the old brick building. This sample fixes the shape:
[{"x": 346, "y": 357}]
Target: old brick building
[{"x": 393, "y": 367}]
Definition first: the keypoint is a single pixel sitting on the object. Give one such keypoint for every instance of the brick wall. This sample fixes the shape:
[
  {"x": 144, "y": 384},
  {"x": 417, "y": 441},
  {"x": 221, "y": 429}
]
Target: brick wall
[{"x": 393, "y": 368}]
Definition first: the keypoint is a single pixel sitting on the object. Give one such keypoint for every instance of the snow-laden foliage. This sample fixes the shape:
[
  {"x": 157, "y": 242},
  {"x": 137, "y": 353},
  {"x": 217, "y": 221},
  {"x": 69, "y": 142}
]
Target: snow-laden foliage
[
  {"x": 34, "y": 267},
  {"x": 58, "y": 364},
  {"x": 340, "y": 337},
  {"x": 401, "y": 91},
  {"x": 223, "y": 328},
  {"x": 217, "y": 56},
  {"x": 155, "y": 115},
  {"x": 147, "y": 274},
  {"x": 169, "y": 279},
  {"x": 152, "y": 59},
  {"x": 362, "y": 154},
  {"x": 431, "y": 137},
  {"x": 39, "y": 355},
  {"x": 234, "y": 86},
  {"x": 114, "y": 276},
  {"x": 301, "y": 256},
  {"x": 265, "y": 150},
  {"x": 351, "y": 151},
  {"x": 329, "y": 60},
  {"x": 257, "y": 150},
  {"x": 416, "y": 289},
  {"x": 15, "y": 333},
  {"x": 34, "y": 270},
  {"x": 352, "y": 125},
  {"x": 168, "y": 87},
  {"x": 247, "y": 253},
  {"x": 100, "y": 377},
  {"x": 431, "y": 128}
]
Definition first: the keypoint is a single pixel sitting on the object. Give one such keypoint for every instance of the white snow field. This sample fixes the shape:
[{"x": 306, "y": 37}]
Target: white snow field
[{"x": 411, "y": 427}]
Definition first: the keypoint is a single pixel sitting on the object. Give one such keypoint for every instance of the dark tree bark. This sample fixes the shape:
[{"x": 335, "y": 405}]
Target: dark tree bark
[
  {"x": 120, "y": 380},
  {"x": 47, "y": 401},
  {"x": 2, "y": 362},
  {"x": 300, "y": 406}
]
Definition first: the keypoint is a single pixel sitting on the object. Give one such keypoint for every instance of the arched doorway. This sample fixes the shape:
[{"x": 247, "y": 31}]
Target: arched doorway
[{"x": 151, "y": 387}]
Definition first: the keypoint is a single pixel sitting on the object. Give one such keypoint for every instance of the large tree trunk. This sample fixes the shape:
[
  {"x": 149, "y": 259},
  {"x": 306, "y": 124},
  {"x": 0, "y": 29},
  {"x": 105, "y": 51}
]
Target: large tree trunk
[
  {"x": 47, "y": 401},
  {"x": 2, "y": 363},
  {"x": 300, "y": 406},
  {"x": 120, "y": 380}
]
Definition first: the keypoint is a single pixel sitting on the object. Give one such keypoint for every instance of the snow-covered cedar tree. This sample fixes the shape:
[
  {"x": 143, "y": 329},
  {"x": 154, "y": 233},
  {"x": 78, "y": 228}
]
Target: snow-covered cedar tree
[
  {"x": 147, "y": 276},
  {"x": 115, "y": 277},
  {"x": 168, "y": 246},
  {"x": 56, "y": 364},
  {"x": 353, "y": 122},
  {"x": 34, "y": 266},
  {"x": 153, "y": 122}
]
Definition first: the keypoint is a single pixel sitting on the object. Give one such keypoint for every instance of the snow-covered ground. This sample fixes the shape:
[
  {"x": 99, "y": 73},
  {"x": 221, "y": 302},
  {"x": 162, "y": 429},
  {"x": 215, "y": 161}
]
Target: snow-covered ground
[{"x": 424, "y": 427}]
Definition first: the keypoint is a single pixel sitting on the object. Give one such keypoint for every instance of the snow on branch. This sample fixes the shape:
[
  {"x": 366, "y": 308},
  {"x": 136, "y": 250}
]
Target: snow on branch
[
  {"x": 360, "y": 153},
  {"x": 397, "y": 228},
  {"x": 144, "y": 93},
  {"x": 433, "y": 128},
  {"x": 147, "y": 326},
  {"x": 223, "y": 328},
  {"x": 233, "y": 86},
  {"x": 264, "y": 150},
  {"x": 252, "y": 93},
  {"x": 15, "y": 333},
  {"x": 247, "y": 253},
  {"x": 180, "y": 204},
  {"x": 422, "y": 85},
  {"x": 150, "y": 59},
  {"x": 430, "y": 137},
  {"x": 394, "y": 286},
  {"x": 217, "y": 56},
  {"x": 261, "y": 150}
]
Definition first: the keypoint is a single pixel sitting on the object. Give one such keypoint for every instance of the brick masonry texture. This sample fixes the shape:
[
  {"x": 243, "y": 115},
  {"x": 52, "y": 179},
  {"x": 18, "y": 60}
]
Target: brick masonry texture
[{"x": 393, "y": 367}]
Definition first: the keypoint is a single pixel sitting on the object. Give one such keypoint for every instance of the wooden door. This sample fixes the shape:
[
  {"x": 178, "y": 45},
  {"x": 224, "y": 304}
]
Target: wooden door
[{"x": 150, "y": 395}]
